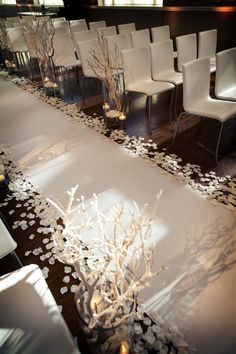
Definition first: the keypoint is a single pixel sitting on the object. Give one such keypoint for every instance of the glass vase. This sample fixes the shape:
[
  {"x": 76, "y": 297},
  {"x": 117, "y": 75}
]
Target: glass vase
[
  {"x": 101, "y": 339},
  {"x": 48, "y": 76}
]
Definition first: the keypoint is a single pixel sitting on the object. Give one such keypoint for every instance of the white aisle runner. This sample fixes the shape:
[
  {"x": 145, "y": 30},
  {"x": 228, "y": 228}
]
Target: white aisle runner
[{"x": 196, "y": 240}]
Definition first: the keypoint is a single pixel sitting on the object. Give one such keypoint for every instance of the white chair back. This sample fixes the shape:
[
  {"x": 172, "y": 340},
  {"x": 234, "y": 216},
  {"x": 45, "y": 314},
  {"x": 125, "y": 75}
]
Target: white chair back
[
  {"x": 186, "y": 49},
  {"x": 64, "y": 54},
  {"x": 225, "y": 81},
  {"x": 16, "y": 39},
  {"x": 97, "y": 24},
  {"x": 126, "y": 29},
  {"x": 207, "y": 43},
  {"x": 137, "y": 66},
  {"x": 106, "y": 31},
  {"x": 196, "y": 82},
  {"x": 162, "y": 59},
  {"x": 61, "y": 24},
  {"x": 62, "y": 30},
  {"x": 28, "y": 40},
  {"x": 79, "y": 28},
  {"x": 160, "y": 33},
  {"x": 140, "y": 38},
  {"x": 115, "y": 45},
  {"x": 8, "y": 245},
  {"x": 58, "y": 19},
  {"x": 77, "y": 22},
  {"x": 85, "y": 53},
  {"x": 84, "y": 36}
]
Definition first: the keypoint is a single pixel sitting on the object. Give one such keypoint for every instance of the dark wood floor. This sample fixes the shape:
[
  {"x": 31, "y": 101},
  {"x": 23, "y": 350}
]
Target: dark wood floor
[{"x": 191, "y": 145}]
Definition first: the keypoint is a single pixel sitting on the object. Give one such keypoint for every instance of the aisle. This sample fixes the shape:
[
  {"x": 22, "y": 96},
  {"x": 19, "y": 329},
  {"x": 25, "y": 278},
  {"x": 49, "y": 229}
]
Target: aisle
[{"x": 195, "y": 238}]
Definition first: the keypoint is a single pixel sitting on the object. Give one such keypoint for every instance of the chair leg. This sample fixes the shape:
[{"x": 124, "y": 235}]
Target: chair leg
[
  {"x": 148, "y": 102},
  {"x": 83, "y": 78},
  {"x": 177, "y": 126},
  {"x": 171, "y": 103},
  {"x": 17, "y": 258},
  {"x": 176, "y": 98},
  {"x": 218, "y": 141}
]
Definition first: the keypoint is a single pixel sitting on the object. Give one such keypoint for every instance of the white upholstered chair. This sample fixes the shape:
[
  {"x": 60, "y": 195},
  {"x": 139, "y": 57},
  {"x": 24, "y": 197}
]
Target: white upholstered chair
[
  {"x": 197, "y": 100},
  {"x": 161, "y": 33},
  {"x": 58, "y": 19},
  {"x": 61, "y": 24},
  {"x": 97, "y": 24},
  {"x": 207, "y": 44},
  {"x": 79, "y": 28},
  {"x": 138, "y": 78},
  {"x": 84, "y": 36},
  {"x": 127, "y": 28},
  {"x": 115, "y": 45},
  {"x": 8, "y": 245},
  {"x": 77, "y": 22},
  {"x": 64, "y": 54},
  {"x": 162, "y": 64},
  {"x": 225, "y": 81},
  {"x": 140, "y": 38},
  {"x": 106, "y": 31},
  {"x": 18, "y": 45},
  {"x": 186, "y": 49}
]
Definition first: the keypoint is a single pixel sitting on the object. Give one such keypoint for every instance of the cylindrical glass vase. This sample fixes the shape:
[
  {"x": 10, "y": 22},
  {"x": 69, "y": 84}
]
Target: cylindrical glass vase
[{"x": 48, "y": 76}]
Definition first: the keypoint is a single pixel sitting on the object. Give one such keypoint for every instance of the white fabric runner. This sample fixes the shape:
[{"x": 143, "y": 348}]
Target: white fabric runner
[{"x": 195, "y": 239}]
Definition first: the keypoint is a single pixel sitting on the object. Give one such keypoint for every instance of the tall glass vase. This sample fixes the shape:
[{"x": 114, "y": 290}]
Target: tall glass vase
[
  {"x": 101, "y": 339},
  {"x": 48, "y": 76}
]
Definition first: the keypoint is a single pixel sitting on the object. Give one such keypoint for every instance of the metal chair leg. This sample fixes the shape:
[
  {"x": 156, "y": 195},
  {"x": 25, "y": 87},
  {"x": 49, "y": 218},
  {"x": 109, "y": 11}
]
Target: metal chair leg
[
  {"x": 177, "y": 126},
  {"x": 149, "y": 98},
  {"x": 83, "y": 78},
  {"x": 218, "y": 142},
  {"x": 176, "y": 98},
  {"x": 17, "y": 259},
  {"x": 171, "y": 103}
]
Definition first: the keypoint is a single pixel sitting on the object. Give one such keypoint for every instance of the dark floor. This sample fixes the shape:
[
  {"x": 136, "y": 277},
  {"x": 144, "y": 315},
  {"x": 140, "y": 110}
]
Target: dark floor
[{"x": 194, "y": 144}]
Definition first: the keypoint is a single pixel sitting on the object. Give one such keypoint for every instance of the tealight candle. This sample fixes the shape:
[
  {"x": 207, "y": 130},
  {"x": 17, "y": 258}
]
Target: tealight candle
[
  {"x": 124, "y": 347},
  {"x": 106, "y": 106},
  {"x": 95, "y": 302},
  {"x": 122, "y": 116},
  {"x": 2, "y": 178}
]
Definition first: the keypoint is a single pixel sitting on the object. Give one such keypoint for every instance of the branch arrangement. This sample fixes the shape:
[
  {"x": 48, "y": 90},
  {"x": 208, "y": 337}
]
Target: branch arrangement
[
  {"x": 106, "y": 65},
  {"x": 116, "y": 266}
]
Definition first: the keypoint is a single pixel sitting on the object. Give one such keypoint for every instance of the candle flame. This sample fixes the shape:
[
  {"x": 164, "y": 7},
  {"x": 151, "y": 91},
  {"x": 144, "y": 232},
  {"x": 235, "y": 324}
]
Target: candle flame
[{"x": 124, "y": 348}]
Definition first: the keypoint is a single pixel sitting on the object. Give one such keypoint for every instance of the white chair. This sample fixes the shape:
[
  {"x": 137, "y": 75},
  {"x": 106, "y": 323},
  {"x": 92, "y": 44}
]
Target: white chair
[
  {"x": 161, "y": 33},
  {"x": 30, "y": 320},
  {"x": 18, "y": 45},
  {"x": 84, "y": 36},
  {"x": 137, "y": 73},
  {"x": 79, "y": 28},
  {"x": 225, "y": 81},
  {"x": 77, "y": 22},
  {"x": 106, "y": 31},
  {"x": 140, "y": 38},
  {"x": 64, "y": 55},
  {"x": 62, "y": 30},
  {"x": 126, "y": 29},
  {"x": 186, "y": 49},
  {"x": 207, "y": 43},
  {"x": 197, "y": 100},
  {"x": 61, "y": 24},
  {"x": 8, "y": 245},
  {"x": 115, "y": 45},
  {"x": 85, "y": 49},
  {"x": 58, "y": 19},
  {"x": 97, "y": 24},
  {"x": 162, "y": 64}
]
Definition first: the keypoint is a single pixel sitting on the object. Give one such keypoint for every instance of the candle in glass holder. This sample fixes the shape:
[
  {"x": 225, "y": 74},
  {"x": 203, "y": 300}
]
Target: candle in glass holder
[
  {"x": 96, "y": 302},
  {"x": 124, "y": 347},
  {"x": 106, "y": 107},
  {"x": 2, "y": 178},
  {"x": 122, "y": 116}
]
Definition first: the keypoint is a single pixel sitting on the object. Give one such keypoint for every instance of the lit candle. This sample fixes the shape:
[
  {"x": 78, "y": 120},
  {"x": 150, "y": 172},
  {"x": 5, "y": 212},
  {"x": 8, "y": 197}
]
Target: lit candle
[
  {"x": 122, "y": 116},
  {"x": 106, "y": 106},
  {"x": 2, "y": 178},
  {"x": 124, "y": 348},
  {"x": 46, "y": 79},
  {"x": 95, "y": 302}
]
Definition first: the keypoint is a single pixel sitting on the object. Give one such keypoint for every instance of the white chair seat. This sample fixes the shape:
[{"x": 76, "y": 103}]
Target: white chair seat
[
  {"x": 175, "y": 77},
  {"x": 150, "y": 87},
  {"x": 8, "y": 245},
  {"x": 229, "y": 94},
  {"x": 212, "y": 108}
]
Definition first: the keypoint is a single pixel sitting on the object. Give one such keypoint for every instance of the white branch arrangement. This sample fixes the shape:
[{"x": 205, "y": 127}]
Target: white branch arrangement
[
  {"x": 118, "y": 264},
  {"x": 5, "y": 46},
  {"x": 106, "y": 65}
]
